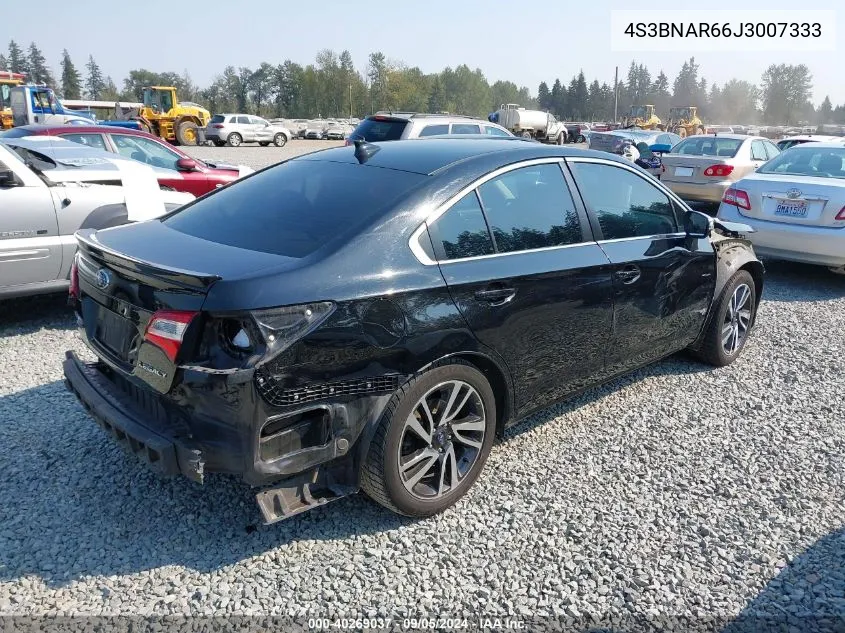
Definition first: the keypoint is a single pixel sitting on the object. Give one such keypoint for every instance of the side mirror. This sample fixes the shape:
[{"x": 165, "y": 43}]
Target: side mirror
[
  {"x": 186, "y": 164},
  {"x": 8, "y": 177},
  {"x": 698, "y": 224}
]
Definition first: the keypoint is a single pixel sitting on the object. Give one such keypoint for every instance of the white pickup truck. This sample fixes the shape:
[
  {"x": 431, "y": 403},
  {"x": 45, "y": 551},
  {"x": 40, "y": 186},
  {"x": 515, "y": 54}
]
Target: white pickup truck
[{"x": 48, "y": 193}]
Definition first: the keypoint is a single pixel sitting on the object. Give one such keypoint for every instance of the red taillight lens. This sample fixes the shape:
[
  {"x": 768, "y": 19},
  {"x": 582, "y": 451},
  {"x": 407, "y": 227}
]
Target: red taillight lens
[
  {"x": 166, "y": 330},
  {"x": 73, "y": 291},
  {"x": 217, "y": 126},
  {"x": 718, "y": 170},
  {"x": 737, "y": 198},
  {"x": 841, "y": 214}
]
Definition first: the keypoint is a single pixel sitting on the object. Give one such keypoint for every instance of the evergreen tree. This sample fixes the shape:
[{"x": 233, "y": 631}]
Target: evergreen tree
[
  {"x": 39, "y": 73},
  {"x": 71, "y": 81},
  {"x": 95, "y": 85},
  {"x": 17, "y": 62}
]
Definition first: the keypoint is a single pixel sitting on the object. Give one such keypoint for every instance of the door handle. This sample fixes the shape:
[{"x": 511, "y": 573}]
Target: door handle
[
  {"x": 496, "y": 296},
  {"x": 628, "y": 274}
]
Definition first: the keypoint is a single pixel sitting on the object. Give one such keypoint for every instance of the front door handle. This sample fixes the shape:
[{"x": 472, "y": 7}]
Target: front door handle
[
  {"x": 496, "y": 296},
  {"x": 629, "y": 274}
]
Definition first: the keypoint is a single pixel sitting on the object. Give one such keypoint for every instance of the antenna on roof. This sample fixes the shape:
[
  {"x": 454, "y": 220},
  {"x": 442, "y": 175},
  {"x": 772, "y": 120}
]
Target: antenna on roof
[{"x": 364, "y": 150}]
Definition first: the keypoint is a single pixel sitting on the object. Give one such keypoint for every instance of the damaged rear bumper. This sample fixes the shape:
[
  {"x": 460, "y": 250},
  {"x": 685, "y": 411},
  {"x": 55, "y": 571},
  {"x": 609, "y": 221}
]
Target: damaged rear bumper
[{"x": 164, "y": 455}]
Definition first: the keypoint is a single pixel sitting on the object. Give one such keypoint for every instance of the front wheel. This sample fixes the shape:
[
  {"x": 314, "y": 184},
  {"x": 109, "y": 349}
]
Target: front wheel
[
  {"x": 186, "y": 133},
  {"x": 432, "y": 441},
  {"x": 732, "y": 320},
  {"x": 279, "y": 140}
]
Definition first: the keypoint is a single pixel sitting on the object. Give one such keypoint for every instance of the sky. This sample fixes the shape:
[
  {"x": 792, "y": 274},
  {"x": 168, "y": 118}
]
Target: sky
[{"x": 522, "y": 41}]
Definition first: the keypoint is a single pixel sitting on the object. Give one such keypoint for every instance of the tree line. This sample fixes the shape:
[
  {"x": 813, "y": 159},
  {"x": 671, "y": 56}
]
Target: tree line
[{"x": 333, "y": 87}]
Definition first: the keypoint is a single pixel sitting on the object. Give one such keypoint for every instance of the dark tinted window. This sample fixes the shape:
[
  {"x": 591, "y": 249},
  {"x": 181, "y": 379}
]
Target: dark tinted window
[
  {"x": 462, "y": 231},
  {"x": 373, "y": 130},
  {"x": 243, "y": 120},
  {"x": 465, "y": 128},
  {"x": 530, "y": 207},
  {"x": 294, "y": 208},
  {"x": 708, "y": 146},
  {"x": 625, "y": 204},
  {"x": 217, "y": 118},
  {"x": 433, "y": 130}
]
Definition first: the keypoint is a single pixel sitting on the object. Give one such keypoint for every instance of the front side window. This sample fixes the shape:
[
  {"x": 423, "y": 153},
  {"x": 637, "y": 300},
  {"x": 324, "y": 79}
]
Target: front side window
[
  {"x": 243, "y": 120},
  {"x": 462, "y": 231},
  {"x": 89, "y": 140},
  {"x": 530, "y": 207},
  {"x": 258, "y": 121},
  {"x": 625, "y": 204},
  {"x": 146, "y": 151},
  {"x": 494, "y": 131}
]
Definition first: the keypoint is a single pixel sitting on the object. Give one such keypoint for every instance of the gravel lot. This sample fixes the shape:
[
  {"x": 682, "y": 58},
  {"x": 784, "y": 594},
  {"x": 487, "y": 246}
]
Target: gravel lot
[{"x": 677, "y": 491}]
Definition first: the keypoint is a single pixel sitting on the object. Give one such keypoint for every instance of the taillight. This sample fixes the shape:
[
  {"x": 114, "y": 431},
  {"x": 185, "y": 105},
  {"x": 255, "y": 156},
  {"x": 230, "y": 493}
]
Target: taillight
[
  {"x": 718, "y": 170},
  {"x": 217, "y": 126},
  {"x": 737, "y": 198},
  {"x": 841, "y": 214},
  {"x": 166, "y": 330},
  {"x": 73, "y": 291}
]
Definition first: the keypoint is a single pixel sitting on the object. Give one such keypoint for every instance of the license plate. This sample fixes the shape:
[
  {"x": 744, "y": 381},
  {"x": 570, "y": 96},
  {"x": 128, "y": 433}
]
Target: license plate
[
  {"x": 114, "y": 332},
  {"x": 683, "y": 171},
  {"x": 791, "y": 209}
]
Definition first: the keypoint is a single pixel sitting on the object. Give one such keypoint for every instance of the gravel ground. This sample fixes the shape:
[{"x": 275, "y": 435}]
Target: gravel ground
[
  {"x": 677, "y": 491},
  {"x": 256, "y": 156}
]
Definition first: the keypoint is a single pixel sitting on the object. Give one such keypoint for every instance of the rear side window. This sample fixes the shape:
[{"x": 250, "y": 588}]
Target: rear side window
[
  {"x": 494, "y": 131},
  {"x": 217, "y": 118},
  {"x": 462, "y": 230},
  {"x": 771, "y": 149},
  {"x": 294, "y": 208},
  {"x": 373, "y": 130},
  {"x": 758, "y": 151},
  {"x": 89, "y": 140},
  {"x": 530, "y": 207},
  {"x": 625, "y": 204},
  {"x": 434, "y": 130},
  {"x": 465, "y": 128}
]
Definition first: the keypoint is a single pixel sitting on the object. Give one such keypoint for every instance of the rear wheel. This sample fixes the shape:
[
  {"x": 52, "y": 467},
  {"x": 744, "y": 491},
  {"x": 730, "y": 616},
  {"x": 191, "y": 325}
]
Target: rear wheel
[
  {"x": 561, "y": 138},
  {"x": 732, "y": 320},
  {"x": 186, "y": 133},
  {"x": 234, "y": 139},
  {"x": 432, "y": 441},
  {"x": 279, "y": 140}
]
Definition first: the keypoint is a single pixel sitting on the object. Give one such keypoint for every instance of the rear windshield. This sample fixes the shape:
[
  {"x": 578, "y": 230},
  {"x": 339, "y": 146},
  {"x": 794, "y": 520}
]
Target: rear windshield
[
  {"x": 708, "y": 146},
  {"x": 217, "y": 118},
  {"x": 782, "y": 145},
  {"x": 16, "y": 132},
  {"x": 294, "y": 208},
  {"x": 373, "y": 130},
  {"x": 806, "y": 160}
]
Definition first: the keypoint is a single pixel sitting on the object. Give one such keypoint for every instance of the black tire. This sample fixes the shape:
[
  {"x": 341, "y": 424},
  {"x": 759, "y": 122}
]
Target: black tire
[
  {"x": 712, "y": 348},
  {"x": 280, "y": 140},
  {"x": 380, "y": 478},
  {"x": 561, "y": 138},
  {"x": 264, "y": 143},
  {"x": 186, "y": 133},
  {"x": 234, "y": 140},
  {"x": 581, "y": 139},
  {"x": 526, "y": 134}
]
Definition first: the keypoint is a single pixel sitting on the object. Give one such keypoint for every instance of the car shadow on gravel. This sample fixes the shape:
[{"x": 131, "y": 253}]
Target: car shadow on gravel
[
  {"x": 30, "y": 314},
  {"x": 791, "y": 281},
  {"x": 74, "y": 504}
]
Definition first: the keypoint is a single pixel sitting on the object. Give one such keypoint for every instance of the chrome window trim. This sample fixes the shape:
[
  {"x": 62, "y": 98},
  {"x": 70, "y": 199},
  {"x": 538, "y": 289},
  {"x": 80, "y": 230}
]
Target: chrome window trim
[{"x": 414, "y": 241}]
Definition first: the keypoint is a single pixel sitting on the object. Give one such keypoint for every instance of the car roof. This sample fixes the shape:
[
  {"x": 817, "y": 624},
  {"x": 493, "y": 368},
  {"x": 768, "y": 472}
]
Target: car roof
[
  {"x": 82, "y": 129},
  {"x": 822, "y": 144},
  {"x": 737, "y": 137},
  {"x": 428, "y": 156}
]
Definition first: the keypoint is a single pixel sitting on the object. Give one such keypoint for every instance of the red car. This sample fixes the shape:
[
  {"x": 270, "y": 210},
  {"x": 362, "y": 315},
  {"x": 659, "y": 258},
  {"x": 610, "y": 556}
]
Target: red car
[{"x": 173, "y": 167}]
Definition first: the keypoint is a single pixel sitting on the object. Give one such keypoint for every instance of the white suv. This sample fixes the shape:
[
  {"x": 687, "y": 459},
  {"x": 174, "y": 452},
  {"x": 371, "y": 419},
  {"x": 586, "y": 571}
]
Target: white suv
[
  {"x": 234, "y": 129},
  {"x": 394, "y": 126}
]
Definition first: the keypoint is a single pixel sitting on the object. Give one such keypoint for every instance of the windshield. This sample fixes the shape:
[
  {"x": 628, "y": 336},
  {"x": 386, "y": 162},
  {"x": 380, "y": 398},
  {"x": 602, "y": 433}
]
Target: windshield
[
  {"x": 294, "y": 208},
  {"x": 639, "y": 112},
  {"x": 5, "y": 96},
  {"x": 806, "y": 160},
  {"x": 708, "y": 146},
  {"x": 680, "y": 113}
]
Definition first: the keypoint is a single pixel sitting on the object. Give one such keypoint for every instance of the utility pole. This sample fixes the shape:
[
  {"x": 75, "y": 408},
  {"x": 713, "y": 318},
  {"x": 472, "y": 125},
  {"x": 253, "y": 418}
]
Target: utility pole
[{"x": 616, "y": 96}]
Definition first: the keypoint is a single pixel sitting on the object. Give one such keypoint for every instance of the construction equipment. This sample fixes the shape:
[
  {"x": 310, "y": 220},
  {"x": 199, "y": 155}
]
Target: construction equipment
[
  {"x": 643, "y": 117},
  {"x": 684, "y": 121},
  {"x": 8, "y": 80},
  {"x": 162, "y": 114},
  {"x": 536, "y": 124}
]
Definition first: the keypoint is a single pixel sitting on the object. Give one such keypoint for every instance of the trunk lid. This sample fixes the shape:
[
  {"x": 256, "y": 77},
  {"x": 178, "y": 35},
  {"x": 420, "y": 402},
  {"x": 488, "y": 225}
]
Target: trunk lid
[
  {"x": 814, "y": 201},
  {"x": 680, "y": 168},
  {"x": 127, "y": 274}
]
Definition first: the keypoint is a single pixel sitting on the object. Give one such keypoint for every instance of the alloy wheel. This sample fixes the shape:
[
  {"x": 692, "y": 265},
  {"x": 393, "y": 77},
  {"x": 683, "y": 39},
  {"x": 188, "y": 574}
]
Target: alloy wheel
[
  {"x": 441, "y": 439},
  {"x": 737, "y": 319}
]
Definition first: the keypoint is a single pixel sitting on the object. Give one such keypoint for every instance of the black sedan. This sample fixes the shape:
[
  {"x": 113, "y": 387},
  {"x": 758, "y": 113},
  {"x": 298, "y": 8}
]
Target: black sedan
[{"x": 370, "y": 317}]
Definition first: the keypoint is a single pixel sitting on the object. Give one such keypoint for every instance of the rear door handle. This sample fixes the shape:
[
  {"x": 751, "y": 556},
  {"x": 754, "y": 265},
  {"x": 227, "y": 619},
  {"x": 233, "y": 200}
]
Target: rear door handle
[
  {"x": 496, "y": 296},
  {"x": 628, "y": 274}
]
